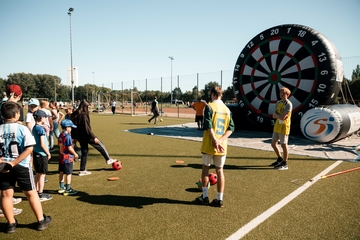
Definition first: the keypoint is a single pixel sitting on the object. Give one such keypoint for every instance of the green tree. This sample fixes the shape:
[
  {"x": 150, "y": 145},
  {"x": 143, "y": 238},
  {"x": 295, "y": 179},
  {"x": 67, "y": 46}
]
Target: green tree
[
  {"x": 26, "y": 81},
  {"x": 228, "y": 94},
  {"x": 195, "y": 93},
  {"x": 356, "y": 73},
  {"x": 2, "y": 85},
  {"x": 63, "y": 93},
  {"x": 206, "y": 91},
  {"x": 177, "y": 93},
  {"x": 355, "y": 90}
]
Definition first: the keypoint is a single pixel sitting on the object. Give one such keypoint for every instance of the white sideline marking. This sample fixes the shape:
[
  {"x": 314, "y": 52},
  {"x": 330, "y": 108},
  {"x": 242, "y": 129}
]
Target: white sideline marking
[{"x": 265, "y": 215}]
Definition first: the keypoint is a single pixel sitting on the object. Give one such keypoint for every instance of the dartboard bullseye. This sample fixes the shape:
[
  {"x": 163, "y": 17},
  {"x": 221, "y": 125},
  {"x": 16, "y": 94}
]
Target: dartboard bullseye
[{"x": 292, "y": 56}]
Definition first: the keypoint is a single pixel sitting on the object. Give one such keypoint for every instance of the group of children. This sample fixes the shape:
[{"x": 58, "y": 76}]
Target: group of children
[
  {"x": 27, "y": 147},
  {"x": 17, "y": 145},
  {"x": 30, "y": 146},
  {"x": 42, "y": 123}
]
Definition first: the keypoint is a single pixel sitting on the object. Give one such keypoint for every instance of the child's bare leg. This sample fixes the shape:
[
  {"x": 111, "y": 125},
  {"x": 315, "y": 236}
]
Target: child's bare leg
[
  {"x": 7, "y": 204},
  {"x": 68, "y": 178},
  {"x": 61, "y": 177},
  {"x": 35, "y": 203},
  {"x": 40, "y": 178}
]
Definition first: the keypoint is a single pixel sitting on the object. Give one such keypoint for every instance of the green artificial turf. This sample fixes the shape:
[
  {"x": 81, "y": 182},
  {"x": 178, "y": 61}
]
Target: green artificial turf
[{"x": 153, "y": 199}]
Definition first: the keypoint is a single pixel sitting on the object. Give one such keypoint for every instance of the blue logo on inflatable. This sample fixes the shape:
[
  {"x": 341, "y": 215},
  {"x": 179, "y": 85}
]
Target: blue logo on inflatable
[{"x": 319, "y": 126}]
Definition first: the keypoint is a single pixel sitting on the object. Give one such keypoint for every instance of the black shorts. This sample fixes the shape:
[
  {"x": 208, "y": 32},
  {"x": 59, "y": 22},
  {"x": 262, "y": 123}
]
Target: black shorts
[
  {"x": 40, "y": 163},
  {"x": 155, "y": 112},
  {"x": 67, "y": 168},
  {"x": 199, "y": 118},
  {"x": 23, "y": 176}
]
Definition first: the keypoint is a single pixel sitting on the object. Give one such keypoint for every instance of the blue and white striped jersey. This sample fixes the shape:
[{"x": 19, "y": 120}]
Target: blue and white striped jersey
[{"x": 14, "y": 138}]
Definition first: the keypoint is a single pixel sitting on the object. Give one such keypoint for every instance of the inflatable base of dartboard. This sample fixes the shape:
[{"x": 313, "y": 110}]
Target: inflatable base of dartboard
[
  {"x": 239, "y": 121},
  {"x": 327, "y": 124},
  {"x": 242, "y": 123},
  {"x": 293, "y": 56}
]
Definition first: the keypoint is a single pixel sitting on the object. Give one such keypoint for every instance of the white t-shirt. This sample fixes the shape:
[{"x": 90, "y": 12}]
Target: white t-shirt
[
  {"x": 47, "y": 113},
  {"x": 29, "y": 118}
]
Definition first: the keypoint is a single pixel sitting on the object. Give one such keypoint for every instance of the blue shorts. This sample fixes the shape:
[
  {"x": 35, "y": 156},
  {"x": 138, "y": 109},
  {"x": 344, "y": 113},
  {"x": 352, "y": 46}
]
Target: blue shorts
[
  {"x": 66, "y": 168},
  {"x": 23, "y": 176}
]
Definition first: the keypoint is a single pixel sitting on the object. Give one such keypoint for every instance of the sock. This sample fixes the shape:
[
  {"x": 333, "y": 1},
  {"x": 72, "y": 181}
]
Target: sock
[
  {"x": 205, "y": 192},
  {"x": 220, "y": 196},
  {"x": 67, "y": 187},
  {"x": 62, "y": 185}
]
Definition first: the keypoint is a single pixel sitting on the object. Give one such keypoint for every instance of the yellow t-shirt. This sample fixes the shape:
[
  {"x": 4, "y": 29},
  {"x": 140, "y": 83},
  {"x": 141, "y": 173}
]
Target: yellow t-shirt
[
  {"x": 281, "y": 107},
  {"x": 218, "y": 117}
]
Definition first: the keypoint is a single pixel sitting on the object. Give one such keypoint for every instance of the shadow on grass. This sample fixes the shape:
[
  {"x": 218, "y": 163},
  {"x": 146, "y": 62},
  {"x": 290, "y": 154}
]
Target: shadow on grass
[
  {"x": 228, "y": 167},
  {"x": 32, "y": 226},
  {"x": 132, "y": 123},
  {"x": 127, "y": 201}
]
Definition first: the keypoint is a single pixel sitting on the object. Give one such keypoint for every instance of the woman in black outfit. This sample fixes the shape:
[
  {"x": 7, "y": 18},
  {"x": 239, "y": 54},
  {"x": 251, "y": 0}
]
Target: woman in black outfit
[{"x": 84, "y": 135}]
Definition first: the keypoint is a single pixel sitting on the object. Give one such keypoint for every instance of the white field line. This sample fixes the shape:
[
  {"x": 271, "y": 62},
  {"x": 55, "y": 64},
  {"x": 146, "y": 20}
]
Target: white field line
[{"x": 265, "y": 215}]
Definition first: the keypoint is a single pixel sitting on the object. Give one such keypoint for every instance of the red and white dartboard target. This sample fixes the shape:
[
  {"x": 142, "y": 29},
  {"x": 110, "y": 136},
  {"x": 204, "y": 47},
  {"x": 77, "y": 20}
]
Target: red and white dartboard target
[{"x": 292, "y": 56}]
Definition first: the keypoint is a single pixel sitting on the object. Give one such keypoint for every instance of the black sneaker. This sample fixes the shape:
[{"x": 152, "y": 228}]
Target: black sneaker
[
  {"x": 43, "y": 224},
  {"x": 201, "y": 200},
  {"x": 217, "y": 203},
  {"x": 44, "y": 197},
  {"x": 70, "y": 192},
  {"x": 10, "y": 228},
  {"x": 277, "y": 162},
  {"x": 282, "y": 166}
]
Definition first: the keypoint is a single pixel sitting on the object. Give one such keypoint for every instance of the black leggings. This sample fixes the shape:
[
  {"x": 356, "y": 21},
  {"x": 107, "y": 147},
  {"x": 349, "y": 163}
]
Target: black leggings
[{"x": 85, "y": 151}]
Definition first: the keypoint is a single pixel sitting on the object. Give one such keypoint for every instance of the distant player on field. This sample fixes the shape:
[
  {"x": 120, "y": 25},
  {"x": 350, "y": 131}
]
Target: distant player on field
[
  {"x": 154, "y": 110},
  {"x": 199, "y": 106}
]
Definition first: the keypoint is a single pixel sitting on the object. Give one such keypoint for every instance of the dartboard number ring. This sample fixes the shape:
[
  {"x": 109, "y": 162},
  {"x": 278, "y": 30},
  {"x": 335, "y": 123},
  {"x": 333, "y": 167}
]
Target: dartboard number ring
[{"x": 292, "y": 56}]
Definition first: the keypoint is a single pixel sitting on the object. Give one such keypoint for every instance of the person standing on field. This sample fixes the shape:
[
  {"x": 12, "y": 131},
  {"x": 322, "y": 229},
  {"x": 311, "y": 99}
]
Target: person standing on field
[
  {"x": 113, "y": 106},
  {"x": 154, "y": 110},
  {"x": 67, "y": 155},
  {"x": 199, "y": 106},
  {"x": 218, "y": 126},
  {"x": 282, "y": 114},
  {"x": 84, "y": 135}
]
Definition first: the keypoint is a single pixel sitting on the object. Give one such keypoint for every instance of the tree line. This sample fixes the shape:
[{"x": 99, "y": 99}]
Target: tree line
[{"x": 49, "y": 86}]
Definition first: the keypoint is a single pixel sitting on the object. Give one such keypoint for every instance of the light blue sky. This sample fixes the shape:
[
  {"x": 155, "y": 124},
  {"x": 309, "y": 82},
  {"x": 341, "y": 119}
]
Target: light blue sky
[{"x": 132, "y": 40}]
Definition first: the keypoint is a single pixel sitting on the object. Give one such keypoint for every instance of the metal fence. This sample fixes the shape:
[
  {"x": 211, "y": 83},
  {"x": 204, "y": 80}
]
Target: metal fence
[
  {"x": 183, "y": 82},
  {"x": 188, "y": 82}
]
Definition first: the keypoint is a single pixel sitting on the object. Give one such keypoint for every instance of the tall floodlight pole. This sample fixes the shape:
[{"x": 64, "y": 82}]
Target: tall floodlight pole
[
  {"x": 94, "y": 87},
  {"x": 55, "y": 88},
  {"x": 72, "y": 69},
  {"x": 171, "y": 59}
]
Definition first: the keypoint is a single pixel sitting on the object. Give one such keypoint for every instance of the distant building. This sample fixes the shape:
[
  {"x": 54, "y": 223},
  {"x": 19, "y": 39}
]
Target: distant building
[{"x": 75, "y": 76}]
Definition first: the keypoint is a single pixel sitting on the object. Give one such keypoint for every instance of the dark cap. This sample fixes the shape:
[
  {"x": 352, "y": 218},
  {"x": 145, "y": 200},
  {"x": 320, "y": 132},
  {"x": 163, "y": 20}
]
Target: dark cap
[{"x": 39, "y": 114}]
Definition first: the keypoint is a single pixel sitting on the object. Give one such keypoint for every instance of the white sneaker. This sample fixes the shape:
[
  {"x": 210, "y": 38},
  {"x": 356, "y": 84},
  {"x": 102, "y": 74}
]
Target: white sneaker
[
  {"x": 83, "y": 173},
  {"x": 111, "y": 161},
  {"x": 17, "y": 200},
  {"x": 17, "y": 211}
]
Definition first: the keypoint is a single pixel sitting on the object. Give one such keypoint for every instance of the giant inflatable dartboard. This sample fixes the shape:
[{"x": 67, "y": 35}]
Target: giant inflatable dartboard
[{"x": 292, "y": 56}]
